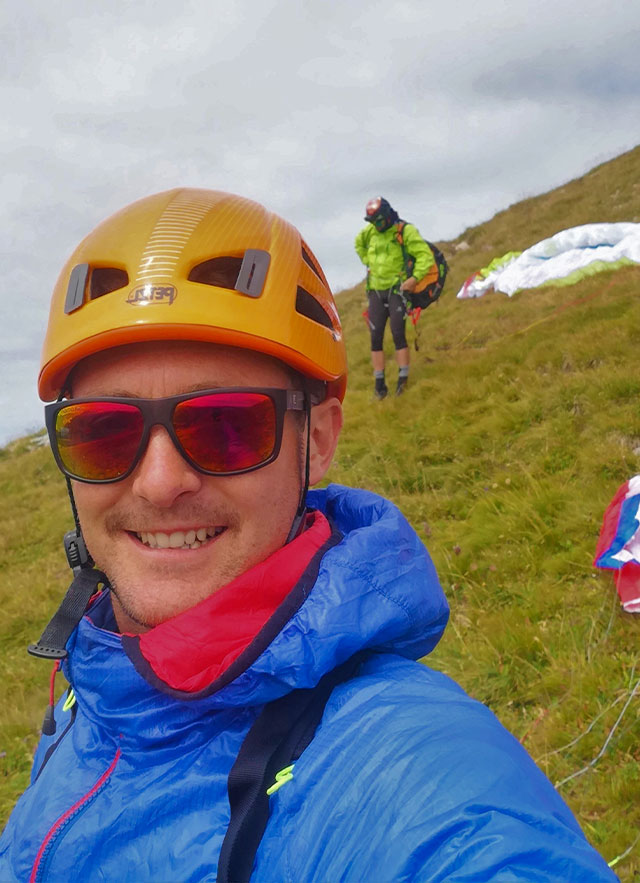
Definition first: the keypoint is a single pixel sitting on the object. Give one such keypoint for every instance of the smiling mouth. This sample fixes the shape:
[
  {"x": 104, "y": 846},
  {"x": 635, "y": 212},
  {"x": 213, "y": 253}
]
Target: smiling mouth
[{"x": 179, "y": 539}]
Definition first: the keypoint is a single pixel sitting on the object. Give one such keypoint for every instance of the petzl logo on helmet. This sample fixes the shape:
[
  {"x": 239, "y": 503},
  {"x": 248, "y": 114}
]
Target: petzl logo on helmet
[{"x": 152, "y": 294}]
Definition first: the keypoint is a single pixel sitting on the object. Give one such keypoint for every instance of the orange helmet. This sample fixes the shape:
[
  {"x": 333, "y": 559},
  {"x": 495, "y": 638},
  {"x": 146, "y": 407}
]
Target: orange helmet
[{"x": 195, "y": 265}]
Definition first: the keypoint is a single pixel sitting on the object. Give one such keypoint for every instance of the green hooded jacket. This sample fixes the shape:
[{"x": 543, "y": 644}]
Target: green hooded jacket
[{"x": 381, "y": 253}]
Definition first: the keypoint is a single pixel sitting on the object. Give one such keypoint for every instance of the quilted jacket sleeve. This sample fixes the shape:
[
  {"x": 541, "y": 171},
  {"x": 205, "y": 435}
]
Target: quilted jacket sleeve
[{"x": 362, "y": 244}]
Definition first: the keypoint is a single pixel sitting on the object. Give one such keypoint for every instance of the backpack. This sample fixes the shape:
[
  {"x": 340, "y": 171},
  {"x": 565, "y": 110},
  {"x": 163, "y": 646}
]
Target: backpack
[{"x": 429, "y": 288}]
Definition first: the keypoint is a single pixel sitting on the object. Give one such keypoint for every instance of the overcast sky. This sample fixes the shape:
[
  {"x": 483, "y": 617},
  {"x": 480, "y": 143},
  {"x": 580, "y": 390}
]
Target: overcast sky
[{"x": 452, "y": 110}]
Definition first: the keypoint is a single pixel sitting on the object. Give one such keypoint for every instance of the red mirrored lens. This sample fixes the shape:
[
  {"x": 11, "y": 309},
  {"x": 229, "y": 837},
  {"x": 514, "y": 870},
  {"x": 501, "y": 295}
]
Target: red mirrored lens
[
  {"x": 98, "y": 440},
  {"x": 227, "y": 432}
]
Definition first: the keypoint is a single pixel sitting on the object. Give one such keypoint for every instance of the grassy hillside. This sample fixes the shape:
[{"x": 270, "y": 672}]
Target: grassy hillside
[
  {"x": 521, "y": 420},
  {"x": 610, "y": 192}
]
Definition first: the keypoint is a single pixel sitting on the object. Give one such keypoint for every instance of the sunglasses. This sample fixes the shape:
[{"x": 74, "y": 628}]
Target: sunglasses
[{"x": 218, "y": 432}]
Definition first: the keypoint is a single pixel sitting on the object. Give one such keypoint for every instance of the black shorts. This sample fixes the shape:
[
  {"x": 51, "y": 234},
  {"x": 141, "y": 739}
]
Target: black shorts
[{"x": 383, "y": 305}]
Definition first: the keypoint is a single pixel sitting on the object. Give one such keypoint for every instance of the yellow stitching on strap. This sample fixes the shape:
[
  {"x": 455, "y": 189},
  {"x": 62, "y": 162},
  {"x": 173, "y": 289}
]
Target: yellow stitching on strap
[
  {"x": 70, "y": 701},
  {"x": 282, "y": 778}
]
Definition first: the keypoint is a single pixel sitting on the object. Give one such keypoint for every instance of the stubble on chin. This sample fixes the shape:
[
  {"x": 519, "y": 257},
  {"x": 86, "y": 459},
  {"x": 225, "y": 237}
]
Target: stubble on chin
[
  {"x": 142, "y": 601},
  {"x": 143, "y": 597},
  {"x": 127, "y": 618}
]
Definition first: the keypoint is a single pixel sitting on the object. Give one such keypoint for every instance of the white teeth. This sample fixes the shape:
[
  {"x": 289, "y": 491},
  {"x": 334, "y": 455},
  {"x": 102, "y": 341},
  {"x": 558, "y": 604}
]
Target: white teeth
[{"x": 178, "y": 539}]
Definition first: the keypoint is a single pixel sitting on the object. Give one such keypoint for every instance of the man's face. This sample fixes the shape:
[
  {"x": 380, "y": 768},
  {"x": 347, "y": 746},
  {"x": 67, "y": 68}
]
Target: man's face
[
  {"x": 246, "y": 517},
  {"x": 381, "y": 222}
]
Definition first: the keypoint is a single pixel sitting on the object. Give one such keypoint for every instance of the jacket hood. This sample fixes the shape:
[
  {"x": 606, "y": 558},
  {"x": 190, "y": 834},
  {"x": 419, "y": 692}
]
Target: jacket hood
[{"x": 370, "y": 586}]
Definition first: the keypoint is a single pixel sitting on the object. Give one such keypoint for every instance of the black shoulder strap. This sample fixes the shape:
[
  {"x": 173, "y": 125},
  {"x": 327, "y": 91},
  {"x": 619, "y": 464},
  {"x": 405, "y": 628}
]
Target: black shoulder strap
[
  {"x": 278, "y": 737},
  {"x": 406, "y": 257},
  {"x": 441, "y": 261}
]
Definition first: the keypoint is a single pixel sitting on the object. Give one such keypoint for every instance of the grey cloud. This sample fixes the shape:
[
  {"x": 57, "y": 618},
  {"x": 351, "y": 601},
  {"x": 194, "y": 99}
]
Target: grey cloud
[
  {"x": 609, "y": 72},
  {"x": 450, "y": 109}
]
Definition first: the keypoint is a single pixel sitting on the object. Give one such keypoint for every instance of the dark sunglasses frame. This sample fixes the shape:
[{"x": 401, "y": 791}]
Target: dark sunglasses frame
[{"x": 159, "y": 412}]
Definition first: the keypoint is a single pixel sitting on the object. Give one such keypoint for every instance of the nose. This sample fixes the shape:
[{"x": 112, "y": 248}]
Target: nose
[{"x": 163, "y": 475}]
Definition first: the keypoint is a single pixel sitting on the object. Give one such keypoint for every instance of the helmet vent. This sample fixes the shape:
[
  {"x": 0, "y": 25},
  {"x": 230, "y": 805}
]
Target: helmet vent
[
  {"x": 306, "y": 257},
  {"x": 308, "y": 306},
  {"x": 104, "y": 280},
  {"x": 221, "y": 272},
  {"x": 245, "y": 274}
]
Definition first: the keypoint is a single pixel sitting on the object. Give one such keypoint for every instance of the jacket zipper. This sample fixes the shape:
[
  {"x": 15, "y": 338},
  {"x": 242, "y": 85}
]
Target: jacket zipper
[{"x": 59, "y": 827}]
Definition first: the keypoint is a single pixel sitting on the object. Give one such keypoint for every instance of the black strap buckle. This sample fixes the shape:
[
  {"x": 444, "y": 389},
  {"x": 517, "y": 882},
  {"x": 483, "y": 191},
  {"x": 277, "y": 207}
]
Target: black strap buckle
[
  {"x": 76, "y": 551},
  {"x": 52, "y": 643}
]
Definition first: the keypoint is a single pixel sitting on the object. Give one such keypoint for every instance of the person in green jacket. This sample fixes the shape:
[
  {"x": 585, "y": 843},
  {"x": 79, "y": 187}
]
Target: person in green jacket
[{"x": 379, "y": 249}]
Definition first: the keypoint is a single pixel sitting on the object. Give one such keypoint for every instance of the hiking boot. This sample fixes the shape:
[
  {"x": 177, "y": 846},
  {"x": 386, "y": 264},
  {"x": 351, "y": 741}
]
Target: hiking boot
[
  {"x": 402, "y": 385},
  {"x": 380, "y": 389}
]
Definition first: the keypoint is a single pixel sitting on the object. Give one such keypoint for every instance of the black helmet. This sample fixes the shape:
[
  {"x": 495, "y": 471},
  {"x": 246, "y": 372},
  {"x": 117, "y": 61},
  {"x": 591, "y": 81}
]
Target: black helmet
[{"x": 379, "y": 213}]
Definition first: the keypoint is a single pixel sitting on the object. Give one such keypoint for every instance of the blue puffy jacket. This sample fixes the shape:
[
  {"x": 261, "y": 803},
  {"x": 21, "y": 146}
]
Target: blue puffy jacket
[{"x": 407, "y": 778}]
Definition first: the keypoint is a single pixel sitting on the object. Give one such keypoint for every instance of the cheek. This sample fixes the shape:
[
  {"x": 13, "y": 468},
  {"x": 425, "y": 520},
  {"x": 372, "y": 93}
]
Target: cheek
[
  {"x": 270, "y": 495},
  {"x": 93, "y": 501},
  {"x": 291, "y": 461}
]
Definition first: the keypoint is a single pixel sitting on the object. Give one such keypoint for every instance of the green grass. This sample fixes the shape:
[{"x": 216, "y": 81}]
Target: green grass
[{"x": 521, "y": 420}]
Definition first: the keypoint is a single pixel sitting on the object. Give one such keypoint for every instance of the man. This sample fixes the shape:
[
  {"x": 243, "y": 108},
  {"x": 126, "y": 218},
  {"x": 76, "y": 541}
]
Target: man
[
  {"x": 383, "y": 252},
  {"x": 244, "y": 701}
]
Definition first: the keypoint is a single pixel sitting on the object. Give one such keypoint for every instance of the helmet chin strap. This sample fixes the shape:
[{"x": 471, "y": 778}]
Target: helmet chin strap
[
  {"x": 298, "y": 519},
  {"x": 52, "y": 642},
  {"x": 74, "y": 545},
  {"x": 86, "y": 579}
]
